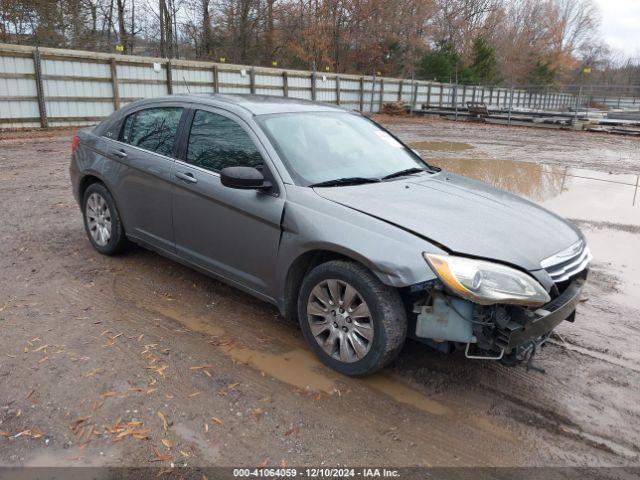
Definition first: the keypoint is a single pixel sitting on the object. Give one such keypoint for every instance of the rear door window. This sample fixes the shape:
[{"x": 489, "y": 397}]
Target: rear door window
[
  {"x": 217, "y": 142},
  {"x": 154, "y": 129}
]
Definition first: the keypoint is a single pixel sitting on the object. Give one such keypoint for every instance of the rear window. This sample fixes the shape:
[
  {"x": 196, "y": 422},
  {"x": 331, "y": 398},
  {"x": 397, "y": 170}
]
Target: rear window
[{"x": 154, "y": 129}]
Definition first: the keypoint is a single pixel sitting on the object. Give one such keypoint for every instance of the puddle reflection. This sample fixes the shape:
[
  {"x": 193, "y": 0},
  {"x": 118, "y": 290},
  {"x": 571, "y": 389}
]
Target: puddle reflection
[{"x": 570, "y": 192}]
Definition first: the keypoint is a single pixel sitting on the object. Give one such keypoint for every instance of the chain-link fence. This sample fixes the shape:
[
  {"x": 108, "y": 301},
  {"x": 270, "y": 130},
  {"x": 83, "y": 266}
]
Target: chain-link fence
[{"x": 594, "y": 107}]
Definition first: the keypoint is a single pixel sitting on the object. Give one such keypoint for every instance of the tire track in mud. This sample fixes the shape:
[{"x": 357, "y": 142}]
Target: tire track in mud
[
  {"x": 597, "y": 354},
  {"x": 541, "y": 417},
  {"x": 544, "y": 411}
]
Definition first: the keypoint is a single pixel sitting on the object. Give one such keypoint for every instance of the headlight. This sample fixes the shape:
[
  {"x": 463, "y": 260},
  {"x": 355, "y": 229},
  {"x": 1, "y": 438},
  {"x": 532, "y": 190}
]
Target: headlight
[{"x": 487, "y": 283}]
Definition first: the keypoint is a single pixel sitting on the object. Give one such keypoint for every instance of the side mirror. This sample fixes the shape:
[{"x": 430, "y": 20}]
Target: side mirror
[{"x": 245, "y": 178}]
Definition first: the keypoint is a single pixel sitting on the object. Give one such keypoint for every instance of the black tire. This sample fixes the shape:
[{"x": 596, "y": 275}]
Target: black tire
[
  {"x": 388, "y": 316},
  {"x": 118, "y": 240}
]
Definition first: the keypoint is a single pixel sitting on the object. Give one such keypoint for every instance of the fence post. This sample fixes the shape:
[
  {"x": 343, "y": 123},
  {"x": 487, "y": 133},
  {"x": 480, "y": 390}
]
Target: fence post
[
  {"x": 216, "y": 81},
  {"x": 252, "y": 80},
  {"x": 429, "y": 95},
  {"x": 114, "y": 84},
  {"x": 313, "y": 86},
  {"x": 42, "y": 107},
  {"x": 441, "y": 93},
  {"x": 373, "y": 91},
  {"x": 575, "y": 114},
  {"x": 510, "y": 105},
  {"x": 337, "y": 89},
  {"x": 285, "y": 83},
  {"x": 361, "y": 94},
  {"x": 455, "y": 99},
  {"x": 400, "y": 85},
  {"x": 169, "y": 78},
  {"x": 414, "y": 99}
]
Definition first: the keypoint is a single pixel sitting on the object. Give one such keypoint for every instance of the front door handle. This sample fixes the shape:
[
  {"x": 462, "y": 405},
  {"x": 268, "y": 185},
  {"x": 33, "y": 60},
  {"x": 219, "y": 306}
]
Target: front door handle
[
  {"x": 120, "y": 153},
  {"x": 187, "y": 177}
]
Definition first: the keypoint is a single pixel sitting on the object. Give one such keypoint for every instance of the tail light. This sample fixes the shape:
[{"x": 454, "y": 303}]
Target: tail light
[{"x": 75, "y": 143}]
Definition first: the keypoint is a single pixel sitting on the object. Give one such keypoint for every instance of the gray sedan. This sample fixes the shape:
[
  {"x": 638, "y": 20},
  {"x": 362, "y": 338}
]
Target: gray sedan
[{"x": 328, "y": 216}]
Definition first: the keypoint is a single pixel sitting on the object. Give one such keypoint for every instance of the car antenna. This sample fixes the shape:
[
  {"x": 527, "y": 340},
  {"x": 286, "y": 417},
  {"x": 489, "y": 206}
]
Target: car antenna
[{"x": 186, "y": 84}]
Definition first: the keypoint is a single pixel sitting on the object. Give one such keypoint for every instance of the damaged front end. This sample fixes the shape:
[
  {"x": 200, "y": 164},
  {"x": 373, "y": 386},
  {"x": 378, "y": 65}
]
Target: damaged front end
[{"x": 511, "y": 331}]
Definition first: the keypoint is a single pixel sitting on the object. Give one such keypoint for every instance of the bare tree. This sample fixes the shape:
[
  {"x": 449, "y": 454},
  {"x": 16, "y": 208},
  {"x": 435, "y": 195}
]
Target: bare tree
[{"x": 555, "y": 37}]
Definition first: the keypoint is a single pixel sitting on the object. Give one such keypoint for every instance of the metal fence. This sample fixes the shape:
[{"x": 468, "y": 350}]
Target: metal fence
[{"x": 42, "y": 87}]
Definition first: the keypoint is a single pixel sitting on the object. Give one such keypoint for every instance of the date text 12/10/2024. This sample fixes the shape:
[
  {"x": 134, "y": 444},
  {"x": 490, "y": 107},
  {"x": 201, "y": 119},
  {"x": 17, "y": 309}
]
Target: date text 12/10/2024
[{"x": 316, "y": 472}]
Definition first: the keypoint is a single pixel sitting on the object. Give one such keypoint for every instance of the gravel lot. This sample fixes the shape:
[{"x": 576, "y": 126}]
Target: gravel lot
[{"x": 136, "y": 361}]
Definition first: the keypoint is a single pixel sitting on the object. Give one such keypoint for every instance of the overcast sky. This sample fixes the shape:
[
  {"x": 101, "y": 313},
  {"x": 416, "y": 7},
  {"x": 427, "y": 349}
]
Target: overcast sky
[{"x": 621, "y": 24}]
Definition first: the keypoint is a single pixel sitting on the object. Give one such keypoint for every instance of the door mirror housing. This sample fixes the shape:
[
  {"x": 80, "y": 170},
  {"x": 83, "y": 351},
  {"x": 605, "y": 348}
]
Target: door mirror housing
[{"x": 244, "y": 178}]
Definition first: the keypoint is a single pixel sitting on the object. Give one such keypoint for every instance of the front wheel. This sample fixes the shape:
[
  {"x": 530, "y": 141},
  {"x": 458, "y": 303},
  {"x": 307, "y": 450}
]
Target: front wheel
[{"x": 352, "y": 321}]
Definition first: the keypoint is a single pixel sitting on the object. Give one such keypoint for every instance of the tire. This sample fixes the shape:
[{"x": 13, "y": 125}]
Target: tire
[
  {"x": 387, "y": 318},
  {"x": 95, "y": 198}
]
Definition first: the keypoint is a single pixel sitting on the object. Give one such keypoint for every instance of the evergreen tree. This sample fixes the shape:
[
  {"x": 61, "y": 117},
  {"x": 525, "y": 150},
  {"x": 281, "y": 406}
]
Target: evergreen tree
[
  {"x": 542, "y": 74},
  {"x": 444, "y": 64},
  {"x": 484, "y": 66}
]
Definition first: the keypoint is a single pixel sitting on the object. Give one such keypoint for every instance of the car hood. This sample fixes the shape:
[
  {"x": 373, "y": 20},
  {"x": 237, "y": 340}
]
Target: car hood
[{"x": 464, "y": 216}]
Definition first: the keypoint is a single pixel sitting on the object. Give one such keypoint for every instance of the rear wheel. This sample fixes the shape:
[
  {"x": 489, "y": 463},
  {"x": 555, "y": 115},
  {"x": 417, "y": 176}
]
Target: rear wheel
[
  {"x": 351, "y": 320},
  {"x": 102, "y": 220}
]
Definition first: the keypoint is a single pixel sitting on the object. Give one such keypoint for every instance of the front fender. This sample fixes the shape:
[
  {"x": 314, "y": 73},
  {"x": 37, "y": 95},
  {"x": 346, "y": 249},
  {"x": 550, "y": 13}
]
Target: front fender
[{"x": 311, "y": 223}]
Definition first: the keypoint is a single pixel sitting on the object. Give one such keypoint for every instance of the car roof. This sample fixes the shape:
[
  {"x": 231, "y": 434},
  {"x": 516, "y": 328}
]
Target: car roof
[{"x": 255, "y": 104}]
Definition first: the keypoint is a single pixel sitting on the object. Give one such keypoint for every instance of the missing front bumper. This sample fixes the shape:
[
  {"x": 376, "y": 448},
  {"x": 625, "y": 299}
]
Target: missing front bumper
[
  {"x": 545, "y": 319},
  {"x": 491, "y": 332}
]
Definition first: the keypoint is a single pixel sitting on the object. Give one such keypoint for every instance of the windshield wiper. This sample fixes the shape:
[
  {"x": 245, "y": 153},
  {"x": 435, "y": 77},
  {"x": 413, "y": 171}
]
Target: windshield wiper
[
  {"x": 345, "y": 181},
  {"x": 402, "y": 173}
]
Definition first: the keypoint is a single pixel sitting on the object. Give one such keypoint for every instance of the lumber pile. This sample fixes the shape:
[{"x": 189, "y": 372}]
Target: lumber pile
[{"x": 395, "y": 108}]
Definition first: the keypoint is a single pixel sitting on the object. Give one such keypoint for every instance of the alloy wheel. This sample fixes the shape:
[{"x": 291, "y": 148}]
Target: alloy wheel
[
  {"x": 98, "y": 219},
  {"x": 340, "y": 320}
]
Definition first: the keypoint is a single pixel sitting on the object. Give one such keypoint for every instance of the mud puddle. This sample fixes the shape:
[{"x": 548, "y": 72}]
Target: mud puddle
[
  {"x": 285, "y": 358},
  {"x": 288, "y": 360},
  {"x": 573, "y": 193},
  {"x": 605, "y": 206},
  {"x": 618, "y": 250}
]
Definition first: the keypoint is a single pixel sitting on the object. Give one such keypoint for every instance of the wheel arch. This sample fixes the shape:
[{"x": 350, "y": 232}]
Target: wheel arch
[
  {"x": 86, "y": 181},
  {"x": 90, "y": 178},
  {"x": 304, "y": 263}
]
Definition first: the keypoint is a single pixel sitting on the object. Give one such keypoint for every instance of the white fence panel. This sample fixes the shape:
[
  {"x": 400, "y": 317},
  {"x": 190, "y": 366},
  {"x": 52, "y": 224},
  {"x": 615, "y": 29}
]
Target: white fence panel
[
  {"x": 191, "y": 80},
  {"x": 19, "y": 90},
  {"x": 74, "y": 88}
]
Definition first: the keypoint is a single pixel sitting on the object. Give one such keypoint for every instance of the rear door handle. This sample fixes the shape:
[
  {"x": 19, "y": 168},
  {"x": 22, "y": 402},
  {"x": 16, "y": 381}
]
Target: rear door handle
[
  {"x": 120, "y": 153},
  {"x": 187, "y": 177}
]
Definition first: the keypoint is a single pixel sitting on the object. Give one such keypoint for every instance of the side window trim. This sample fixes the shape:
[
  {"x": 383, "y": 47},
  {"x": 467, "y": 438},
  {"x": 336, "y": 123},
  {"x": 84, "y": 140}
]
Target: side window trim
[
  {"x": 268, "y": 167},
  {"x": 176, "y": 140},
  {"x": 253, "y": 138},
  {"x": 184, "y": 132}
]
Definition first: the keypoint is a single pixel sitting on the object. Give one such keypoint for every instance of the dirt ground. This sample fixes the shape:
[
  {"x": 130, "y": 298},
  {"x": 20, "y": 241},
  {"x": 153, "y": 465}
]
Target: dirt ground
[{"x": 135, "y": 360}]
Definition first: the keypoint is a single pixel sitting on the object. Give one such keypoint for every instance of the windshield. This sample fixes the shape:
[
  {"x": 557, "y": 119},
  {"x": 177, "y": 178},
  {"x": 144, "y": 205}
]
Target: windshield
[{"x": 319, "y": 147}]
